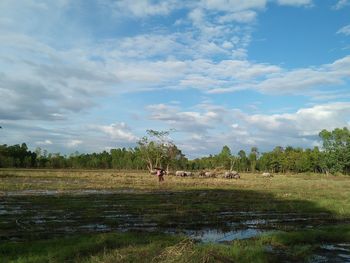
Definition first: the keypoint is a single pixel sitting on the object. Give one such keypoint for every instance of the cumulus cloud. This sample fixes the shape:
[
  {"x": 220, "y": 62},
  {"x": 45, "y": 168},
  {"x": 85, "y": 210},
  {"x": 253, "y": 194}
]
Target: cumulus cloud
[
  {"x": 298, "y": 80},
  {"x": 208, "y": 127},
  {"x": 344, "y": 30},
  {"x": 305, "y": 121},
  {"x": 247, "y": 16},
  {"x": 56, "y": 82},
  {"x": 270, "y": 79},
  {"x": 232, "y": 5},
  {"x": 144, "y": 8},
  {"x": 184, "y": 120},
  {"x": 119, "y": 132},
  {"x": 40, "y": 88},
  {"x": 341, "y": 4},
  {"x": 295, "y": 2},
  {"x": 46, "y": 142},
  {"x": 74, "y": 143}
]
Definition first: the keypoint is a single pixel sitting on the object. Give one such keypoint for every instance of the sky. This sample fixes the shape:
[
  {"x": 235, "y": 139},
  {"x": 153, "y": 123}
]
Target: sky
[{"x": 91, "y": 75}]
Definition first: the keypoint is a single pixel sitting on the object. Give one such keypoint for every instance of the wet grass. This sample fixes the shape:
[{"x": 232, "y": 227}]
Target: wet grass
[
  {"x": 80, "y": 248},
  {"x": 39, "y": 216},
  {"x": 58, "y": 215},
  {"x": 158, "y": 247}
]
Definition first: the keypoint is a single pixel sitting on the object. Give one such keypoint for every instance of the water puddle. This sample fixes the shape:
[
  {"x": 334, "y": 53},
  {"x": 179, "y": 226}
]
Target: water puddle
[
  {"x": 332, "y": 253},
  {"x": 218, "y": 236},
  {"x": 95, "y": 227}
]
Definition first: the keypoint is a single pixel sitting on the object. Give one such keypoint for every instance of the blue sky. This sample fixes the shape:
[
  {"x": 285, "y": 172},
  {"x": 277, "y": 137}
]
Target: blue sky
[{"x": 94, "y": 75}]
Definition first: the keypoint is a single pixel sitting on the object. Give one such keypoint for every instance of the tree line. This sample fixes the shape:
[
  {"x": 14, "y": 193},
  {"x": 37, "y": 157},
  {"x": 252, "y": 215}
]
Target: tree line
[{"x": 157, "y": 150}]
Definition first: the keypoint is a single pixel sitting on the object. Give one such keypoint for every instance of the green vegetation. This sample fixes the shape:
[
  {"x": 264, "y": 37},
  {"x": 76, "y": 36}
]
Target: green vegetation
[
  {"x": 156, "y": 247},
  {"x": 79, "y": 248},
  {"x": 157, "y": 150}
]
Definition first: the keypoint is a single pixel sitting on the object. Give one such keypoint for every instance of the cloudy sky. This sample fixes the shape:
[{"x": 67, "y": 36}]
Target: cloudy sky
[{"x": 91, "y": 75}]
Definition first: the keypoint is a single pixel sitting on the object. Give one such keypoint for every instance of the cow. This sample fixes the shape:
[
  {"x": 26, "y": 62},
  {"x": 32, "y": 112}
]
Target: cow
[
  {"x": 183, "y": 173},
  {"x": 179, "y": 173},
  {"x": 267, "y": 175},
  {"x": 210, "y": 174},
  {"x": 232, "y": 175},
  {"x": 202, "y": 173}
]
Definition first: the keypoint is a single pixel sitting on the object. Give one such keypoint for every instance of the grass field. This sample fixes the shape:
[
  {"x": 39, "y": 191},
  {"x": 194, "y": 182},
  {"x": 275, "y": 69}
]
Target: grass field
[{"x": 121, "y": 216}]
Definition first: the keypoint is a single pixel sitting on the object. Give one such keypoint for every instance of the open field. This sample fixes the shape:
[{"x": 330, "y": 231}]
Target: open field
[{"x": 116, "y": 216}]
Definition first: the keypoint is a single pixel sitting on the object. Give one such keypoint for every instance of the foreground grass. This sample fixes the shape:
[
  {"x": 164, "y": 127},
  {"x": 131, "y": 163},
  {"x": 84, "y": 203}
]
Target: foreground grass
[{"x": 156, "y": 247}]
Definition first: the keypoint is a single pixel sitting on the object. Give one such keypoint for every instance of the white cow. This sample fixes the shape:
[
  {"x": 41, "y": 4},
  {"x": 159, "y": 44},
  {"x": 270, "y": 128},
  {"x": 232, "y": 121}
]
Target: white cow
[
  {"x": 183, "y": 173},
  {"x": 210, "y": 174},
  {"x": 267, "y": 175}
]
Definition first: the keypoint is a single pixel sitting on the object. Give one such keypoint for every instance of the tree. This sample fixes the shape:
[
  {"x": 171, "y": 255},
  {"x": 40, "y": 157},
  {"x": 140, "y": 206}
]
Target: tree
[
  {"x": 225, "y": 158},
  {"x": 253, "y": 157},
  {"x": 336, "y": 145},
  {"x": 157, "y": 149},
  {"x": 243, "y": 162}
]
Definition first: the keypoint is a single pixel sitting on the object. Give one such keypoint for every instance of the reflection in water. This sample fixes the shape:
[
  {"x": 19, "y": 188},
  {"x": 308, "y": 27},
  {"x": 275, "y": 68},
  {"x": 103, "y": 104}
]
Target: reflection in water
[
  {"x": 216, "y": 236},
  {"x": 335, "y": 253}
]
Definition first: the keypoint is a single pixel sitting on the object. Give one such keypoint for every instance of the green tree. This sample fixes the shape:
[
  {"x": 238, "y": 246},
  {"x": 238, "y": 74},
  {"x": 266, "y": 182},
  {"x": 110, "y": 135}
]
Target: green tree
[
  {"x": 156, "y": 149},
  {"x": 336, "y": 145},
  {"x": 253, "y": 157},
  {"x": 225, "y": 158}
]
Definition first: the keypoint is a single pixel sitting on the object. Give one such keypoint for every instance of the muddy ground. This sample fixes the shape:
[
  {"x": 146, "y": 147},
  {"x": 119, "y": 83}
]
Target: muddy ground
[{"x": 29, "y": 215}]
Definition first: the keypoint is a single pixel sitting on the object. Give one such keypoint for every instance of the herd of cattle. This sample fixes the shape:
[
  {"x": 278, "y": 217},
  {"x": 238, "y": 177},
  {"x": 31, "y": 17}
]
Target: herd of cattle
[{"x": 213, "y": 174}]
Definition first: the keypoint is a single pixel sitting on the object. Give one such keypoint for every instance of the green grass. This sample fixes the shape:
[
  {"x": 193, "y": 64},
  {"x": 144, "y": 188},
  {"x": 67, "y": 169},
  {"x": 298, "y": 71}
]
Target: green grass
[
  {"x": 77, "y": 249},
  {"x": 157, "y": 247}
]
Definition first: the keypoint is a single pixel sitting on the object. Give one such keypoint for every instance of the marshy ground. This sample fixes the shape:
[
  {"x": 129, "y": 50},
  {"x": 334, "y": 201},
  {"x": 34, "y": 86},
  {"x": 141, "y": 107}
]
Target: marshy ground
[{"x": 114, "y": 216}]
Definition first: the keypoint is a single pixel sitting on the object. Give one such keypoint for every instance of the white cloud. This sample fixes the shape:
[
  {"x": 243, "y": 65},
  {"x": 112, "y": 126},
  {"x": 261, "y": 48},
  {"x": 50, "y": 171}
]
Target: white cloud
[
  {"x": 271, "y": 79},
  {"x": 298, "y": 80},
  {"x": 341, "y": 4},
  {"x": 304, "y": 122},
  {"x": 295, "y": 2},
  {"x": 46, "y": 142},
  {"x": 63, "y": 137},
  {"x": 41, "y": 82},
  {"x": 73, "y": 143},
  {"x": 208, "y": 127},
  {"x": 247, "y": 16},
  {"x": 144, "y": 8},
  {"x": 232, "y": 5},
  {"x": 344, "y": 30},
  {"x": 188, "y": 121},
  {"x": 119, "y": 132},
  {"x": 197, "y": 16}
]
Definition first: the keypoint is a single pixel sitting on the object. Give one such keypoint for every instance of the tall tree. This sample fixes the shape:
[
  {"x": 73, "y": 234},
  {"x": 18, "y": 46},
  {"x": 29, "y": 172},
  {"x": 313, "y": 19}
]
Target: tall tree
[
  {"x": 157, "y": 149},
  {"x": 225, "y": 158},
  {"x": 253, "y": 157},
  {"x": 336, "y": 145}
]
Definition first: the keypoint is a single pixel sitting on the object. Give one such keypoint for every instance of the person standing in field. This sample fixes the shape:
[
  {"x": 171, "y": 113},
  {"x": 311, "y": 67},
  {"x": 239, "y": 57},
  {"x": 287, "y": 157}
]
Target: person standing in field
[{"x": 160, "y": 174}]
